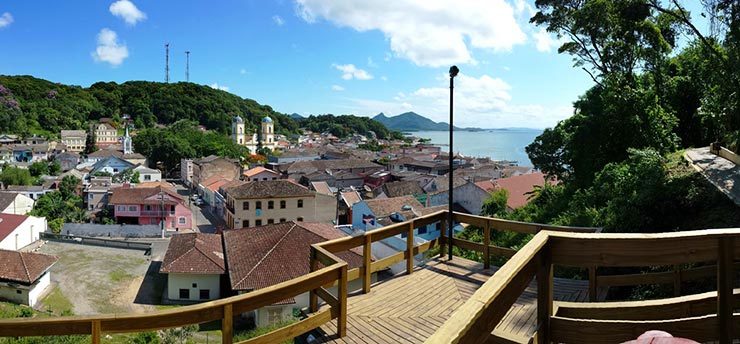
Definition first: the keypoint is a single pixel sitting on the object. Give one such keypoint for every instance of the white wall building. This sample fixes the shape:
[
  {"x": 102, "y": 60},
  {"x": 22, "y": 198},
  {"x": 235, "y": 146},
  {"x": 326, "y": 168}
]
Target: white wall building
[
  {"x": 18, "y": 231},
  {"x": 148, "y": 174},
  {"x": 15, "y": 203},
  {"x": 194, "y": 264},
  {"x": 25, "y": 276}
]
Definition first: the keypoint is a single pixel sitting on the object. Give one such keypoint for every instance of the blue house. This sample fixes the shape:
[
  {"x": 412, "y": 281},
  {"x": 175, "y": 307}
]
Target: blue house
[
  {"x": 111, "y": 165},
  {"x": 376, "y": 213}
]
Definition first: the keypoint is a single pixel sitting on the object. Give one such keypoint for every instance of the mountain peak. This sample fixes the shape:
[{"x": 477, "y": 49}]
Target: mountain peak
[{"x": 410, "y": 121}]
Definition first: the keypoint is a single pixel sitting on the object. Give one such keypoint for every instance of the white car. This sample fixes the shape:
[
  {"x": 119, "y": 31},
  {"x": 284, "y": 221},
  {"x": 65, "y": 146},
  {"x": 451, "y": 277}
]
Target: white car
[{"x": 198, "y": 201}]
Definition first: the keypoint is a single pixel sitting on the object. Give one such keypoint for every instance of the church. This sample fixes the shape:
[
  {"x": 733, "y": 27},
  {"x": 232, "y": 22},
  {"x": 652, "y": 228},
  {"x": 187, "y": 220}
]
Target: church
[{"x": 252, "y": 140}]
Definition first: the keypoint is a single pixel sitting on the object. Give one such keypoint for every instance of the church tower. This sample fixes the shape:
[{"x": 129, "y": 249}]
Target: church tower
[
  {"x": 268, "y": 134},
  {"x": 237, "y": 130},
  {"x": 128, "y": 147}
]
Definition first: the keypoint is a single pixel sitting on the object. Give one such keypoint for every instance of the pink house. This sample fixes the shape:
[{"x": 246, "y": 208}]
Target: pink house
[{"x": 151, "y": 205}]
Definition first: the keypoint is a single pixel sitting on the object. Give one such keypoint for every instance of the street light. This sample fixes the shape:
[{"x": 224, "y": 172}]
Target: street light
[{"x": 453, "y": 73}]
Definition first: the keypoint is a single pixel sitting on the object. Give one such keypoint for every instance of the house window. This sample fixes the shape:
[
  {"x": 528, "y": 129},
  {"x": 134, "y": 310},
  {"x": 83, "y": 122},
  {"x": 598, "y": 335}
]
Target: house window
[
  {"x": 264, "y": 178},
  {"x": 274, "y": 178},
  {"x": 132, "y": 208},
  {"x": 258, "y": 205},
  {"x": 423, "y": 230},
  {"x": 245, "y": 205},
  {"x": 172, "y": 210},
  {"x": 195, "y": 285},
  {"x": 205, "y": 294},
  {"x": 18, "y": 291},
  {"x": 258, "y": 223},
  {"x": 282, "y": 204},
  {"x": 245, "y": 223},
  {"x": 121, "y": 208},
  {"x": 115, "y": 170},
  {"x": 282, "y": 220},
  {"x": 270, "y": 221},
  {"x": 299, "y": 219},
  {"x": 300, "y": 203},
  {"x": 148, "y": 207},
  {"x": 147, "y": 177},
  {"x": 185, "y": 293},
  {"x": 270, "y": 204},
  {"x": 181, "y": 220}
]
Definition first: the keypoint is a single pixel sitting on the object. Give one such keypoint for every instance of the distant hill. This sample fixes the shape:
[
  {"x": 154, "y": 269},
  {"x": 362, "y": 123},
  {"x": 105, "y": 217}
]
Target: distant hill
[
  {"x": 296, "y": 117},
  {"x": 411, "y": 121}
]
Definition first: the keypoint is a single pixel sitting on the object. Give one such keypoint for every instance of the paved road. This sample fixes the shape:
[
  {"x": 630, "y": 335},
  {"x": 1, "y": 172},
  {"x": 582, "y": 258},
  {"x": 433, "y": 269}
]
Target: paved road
[
  {"x": 723, "y": 173},
  {"x": 203, "y": 220}
]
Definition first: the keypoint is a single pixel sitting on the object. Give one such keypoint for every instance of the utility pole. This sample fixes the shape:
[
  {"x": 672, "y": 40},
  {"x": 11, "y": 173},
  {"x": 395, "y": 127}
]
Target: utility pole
[
  {"x": 166, "y": 62},
  {"x": 161, "y": 209},
  {"x": 187, "y": 66}
]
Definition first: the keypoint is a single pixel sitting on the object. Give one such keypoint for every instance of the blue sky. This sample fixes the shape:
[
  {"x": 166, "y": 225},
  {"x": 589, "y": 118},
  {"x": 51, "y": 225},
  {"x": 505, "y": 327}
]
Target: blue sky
[{"x": 309, "y": 56}]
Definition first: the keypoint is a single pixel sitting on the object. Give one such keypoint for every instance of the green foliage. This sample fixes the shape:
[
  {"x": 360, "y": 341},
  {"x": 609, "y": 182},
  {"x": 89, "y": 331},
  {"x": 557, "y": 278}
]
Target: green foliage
[
  {"x": 495, "y": 205},
  {"x": 372, "y": 146},
  {"x": 62, "y": 205},
  {"x": 183, "y": 139},
  {"x": 39, "y": 168},
  {"x": 54, "y": 168},
  {"x": 12, "y": 175},
  {"x": 145, "y": 338},
  {"x": 178, "y": 334},
  {"x": 245, "y": 335},
  {"x": 344, "y": 126},
  {"x": 127, "y": 176}
]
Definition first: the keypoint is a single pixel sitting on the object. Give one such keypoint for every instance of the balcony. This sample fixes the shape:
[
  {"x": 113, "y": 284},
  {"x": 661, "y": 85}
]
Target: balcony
[{"x": 460, "y": 301}]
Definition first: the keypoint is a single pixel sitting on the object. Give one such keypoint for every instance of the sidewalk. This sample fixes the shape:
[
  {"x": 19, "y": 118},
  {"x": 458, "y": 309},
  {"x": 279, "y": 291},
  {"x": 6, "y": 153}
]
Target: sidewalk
[{"x": 722, "y": 173}]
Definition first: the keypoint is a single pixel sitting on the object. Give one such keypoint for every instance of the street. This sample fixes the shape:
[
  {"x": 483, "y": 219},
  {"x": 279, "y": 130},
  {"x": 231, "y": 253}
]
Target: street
[{"x": 203, "y": 220}]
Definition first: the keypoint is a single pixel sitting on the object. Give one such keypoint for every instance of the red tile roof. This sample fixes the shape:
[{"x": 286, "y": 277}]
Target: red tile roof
[
  {"x": 194, "y": 253},
  {"x": 269, "y": 189},
  {"x": 8, "y": 223},
  {"x": 24, "y": 267},
  {"x": 139, "y": 196},
  {"x": 257, "y": 170},
  {"x": 263, "y": 256},
  {"x": 519, "y": 187},
  {"x": 383, "y": 207}
]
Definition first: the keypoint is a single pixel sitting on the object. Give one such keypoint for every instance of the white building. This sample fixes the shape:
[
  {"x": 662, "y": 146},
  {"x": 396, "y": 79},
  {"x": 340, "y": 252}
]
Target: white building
[
  {"x": 148, "y": 174},
  {"x": 194, "y": 264},
  {"x": 18, "y": 231},
  {"x": 266, "y": 137},
  {"x": 15, "y": 203},
  {"x": 24, "y": 276}
]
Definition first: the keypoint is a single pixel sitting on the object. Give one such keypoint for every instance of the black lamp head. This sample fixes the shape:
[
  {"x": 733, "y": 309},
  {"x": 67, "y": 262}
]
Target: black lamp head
[{"x": 453, "y": 71}]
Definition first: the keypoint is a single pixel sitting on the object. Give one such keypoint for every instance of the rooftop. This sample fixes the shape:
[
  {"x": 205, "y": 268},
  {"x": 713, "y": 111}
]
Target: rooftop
[
  {"x": 24, "y": 267},
  {"x": 269, "y": 189},
  {"x": 194, "y": 253}
]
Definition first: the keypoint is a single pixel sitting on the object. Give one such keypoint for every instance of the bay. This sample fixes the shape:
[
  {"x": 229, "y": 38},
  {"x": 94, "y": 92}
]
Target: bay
[{"x": 497, "y": 144}]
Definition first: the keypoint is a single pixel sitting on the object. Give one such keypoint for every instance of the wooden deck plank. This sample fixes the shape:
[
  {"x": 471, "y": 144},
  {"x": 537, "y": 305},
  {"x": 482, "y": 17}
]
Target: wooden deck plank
[{"x": 409, "y": 308}]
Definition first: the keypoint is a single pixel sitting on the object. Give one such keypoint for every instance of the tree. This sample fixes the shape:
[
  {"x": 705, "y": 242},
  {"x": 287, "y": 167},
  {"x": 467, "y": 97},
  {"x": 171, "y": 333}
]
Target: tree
[
  {"x": 39, "y": 168},
  {"x": 495, "y": 205},
  {"x": 127, "y": 176},
  {"x": 90, "y": 140},
  {"x": 12, "y": 175},
  {"x": 54, "y": 168}
]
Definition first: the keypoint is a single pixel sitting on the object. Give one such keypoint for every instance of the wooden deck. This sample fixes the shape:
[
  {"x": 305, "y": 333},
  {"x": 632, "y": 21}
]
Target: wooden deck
[{"x": 408, "y": 309}]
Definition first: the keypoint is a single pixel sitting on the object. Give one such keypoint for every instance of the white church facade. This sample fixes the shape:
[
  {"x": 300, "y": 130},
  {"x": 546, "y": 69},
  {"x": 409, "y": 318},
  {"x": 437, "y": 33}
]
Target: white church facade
[{"x": 252, "y": 140}]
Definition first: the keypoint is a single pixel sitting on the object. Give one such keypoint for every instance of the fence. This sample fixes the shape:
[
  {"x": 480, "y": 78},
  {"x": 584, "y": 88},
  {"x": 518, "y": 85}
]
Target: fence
[{"x": 131, "y": 245}]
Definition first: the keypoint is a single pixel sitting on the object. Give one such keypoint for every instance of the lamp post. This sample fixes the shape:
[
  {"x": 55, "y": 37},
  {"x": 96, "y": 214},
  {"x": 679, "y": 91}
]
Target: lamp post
[{"x": 453, "y": 73}]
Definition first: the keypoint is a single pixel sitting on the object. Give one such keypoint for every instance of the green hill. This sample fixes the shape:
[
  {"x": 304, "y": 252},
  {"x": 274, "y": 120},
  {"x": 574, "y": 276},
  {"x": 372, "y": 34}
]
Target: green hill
[
  {"x": 411, "y": 121},
  {"x": 29, "y": 105}
]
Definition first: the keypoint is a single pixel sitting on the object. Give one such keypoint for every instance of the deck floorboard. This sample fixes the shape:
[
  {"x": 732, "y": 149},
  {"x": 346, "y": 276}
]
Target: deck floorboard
[{"x": 408, "y": 309}]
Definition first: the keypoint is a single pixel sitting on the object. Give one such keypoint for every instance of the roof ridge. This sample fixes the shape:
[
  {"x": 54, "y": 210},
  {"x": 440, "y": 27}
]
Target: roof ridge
[
  {"x": 25, "y": 267},
  {"x": 268, "y": 253},
  {"x": 206, "y": 254},
  {"x": 184, "y": 253}
]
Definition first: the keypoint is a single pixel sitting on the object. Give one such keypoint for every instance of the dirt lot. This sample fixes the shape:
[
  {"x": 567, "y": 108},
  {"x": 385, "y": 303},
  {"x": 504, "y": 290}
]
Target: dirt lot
[{"x": 104, "y": 280}]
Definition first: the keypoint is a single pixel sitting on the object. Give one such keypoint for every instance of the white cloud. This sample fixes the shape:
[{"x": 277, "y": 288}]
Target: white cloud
[
  {"x": 109, "y": 49},
  {"x": 219, "y": 87},
  {"x": 349, "y": 72},
  {"x": 6, "y": 19},
  {"x": 545, "y": 42},
  {"x": 337, "y": 88},
  {"x": 427, "y": 32},
  {"x": 242, "y": 71},
  {"x": 128, "y": 11},
  {"x": 483, "y": 101},
  {"x": 278, "y": 20}
]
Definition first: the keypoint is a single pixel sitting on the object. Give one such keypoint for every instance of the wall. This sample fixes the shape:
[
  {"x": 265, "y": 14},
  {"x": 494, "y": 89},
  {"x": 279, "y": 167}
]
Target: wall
[
  {"x": 185, "y": 281},
  {"x": 25, "y": 234},
  {"x": 264, "y": 175},
  {"x": 319, "y": 208},
  {"x": 10, "y": 294},
  {"x": 469, "y": 195},
  {"x": 21, "y": 205},
  {"x": 39, "y": 289}
]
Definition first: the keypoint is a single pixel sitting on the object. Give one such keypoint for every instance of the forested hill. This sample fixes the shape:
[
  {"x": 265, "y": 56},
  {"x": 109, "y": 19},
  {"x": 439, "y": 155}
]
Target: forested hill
[{"x": 32, "y": 105}]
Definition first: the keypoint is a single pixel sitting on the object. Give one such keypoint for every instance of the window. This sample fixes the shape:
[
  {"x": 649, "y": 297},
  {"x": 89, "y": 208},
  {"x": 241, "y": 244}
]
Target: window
[
  {"x": 258, "y": 205},
  {"x": 172, "y": 209},
  {"x": 132, "y": 208},
  {"x": 121, "y": 208},
  {"x": 205, "y": 294},
  {"x": 245, "y": 223},
  {"x": 181, "y": 220},
  {"x": 282, "y": 220},
  {"x": 264, "y": 178},
  {"x": 282, "y": 204},
  {"x": 18, "y": 291},
  {"x": 148, "y": 207},
  {"x": 270, "y": 204},
  {"x": 274, "y": 178},
  {"x": 299, "y": 219},
  {"x": 185, "y": 293},
  {"x": 245, "y": 205},
  {"x": 258, "y": 222},
  {"x": 300, "y": 203},
  {"x": 270, "y": 221},
  {"x": 195, "y": 285},
  {"x": 147, "y": 177},
  {"x": 423, "y": 230}
]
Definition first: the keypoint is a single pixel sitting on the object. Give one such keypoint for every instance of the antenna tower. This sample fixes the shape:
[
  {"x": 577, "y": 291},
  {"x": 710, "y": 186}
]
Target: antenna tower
[
  {"x": 166, "y": 62},
  {"x": 187, "y": 66}
]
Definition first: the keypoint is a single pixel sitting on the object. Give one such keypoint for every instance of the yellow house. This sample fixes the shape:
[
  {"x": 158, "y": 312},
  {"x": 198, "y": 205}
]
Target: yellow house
[{"x": 266, "y": 202}]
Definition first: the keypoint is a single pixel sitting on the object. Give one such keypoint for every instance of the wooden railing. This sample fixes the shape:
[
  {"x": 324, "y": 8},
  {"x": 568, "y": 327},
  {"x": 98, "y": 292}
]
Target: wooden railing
[
  {"x": 704, "y": 317},
  {"x": 726, "y": 153}
]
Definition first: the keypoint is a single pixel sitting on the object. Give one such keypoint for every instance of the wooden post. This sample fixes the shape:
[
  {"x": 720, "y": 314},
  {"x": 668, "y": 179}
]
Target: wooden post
[
  {"x": 676, "y": 280},
  {"x": 442, "y": 238},
  {"x": 313, "y": 298},
  {"x": 342, "y": 293},
  {"x": 227, "y": 325},
  {"x": 592, "y": 287},
  {"x": 366, "y": 255},
  {"x": 410, "y": 249},
  {"x": 544, "y": 295},
  {"x": 486, "y": 245},
  {"x": 95, "y": 333},
  {"x": 725, "y": 281}
]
